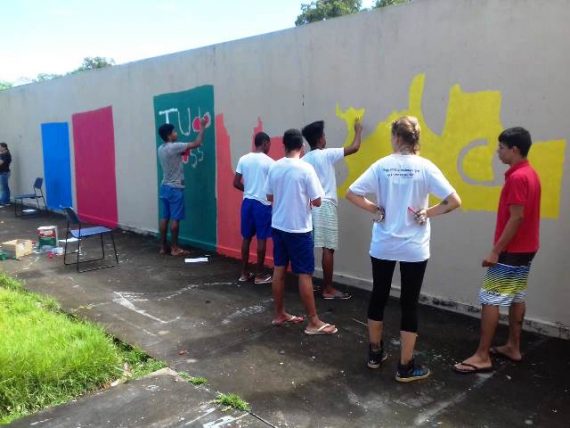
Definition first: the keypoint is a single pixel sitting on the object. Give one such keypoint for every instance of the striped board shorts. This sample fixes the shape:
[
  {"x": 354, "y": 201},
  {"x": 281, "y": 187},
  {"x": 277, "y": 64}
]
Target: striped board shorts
[
  {"x": 506, "y": 282},
  {"x": 325, "y": 225}
]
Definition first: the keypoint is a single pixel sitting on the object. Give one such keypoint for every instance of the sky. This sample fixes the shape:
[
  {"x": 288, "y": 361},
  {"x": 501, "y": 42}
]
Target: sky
[{"x": 53, "y": 36}]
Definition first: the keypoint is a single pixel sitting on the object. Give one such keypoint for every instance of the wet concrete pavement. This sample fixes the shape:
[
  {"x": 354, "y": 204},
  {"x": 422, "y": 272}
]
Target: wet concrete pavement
[{"x": 198, "y": 319}]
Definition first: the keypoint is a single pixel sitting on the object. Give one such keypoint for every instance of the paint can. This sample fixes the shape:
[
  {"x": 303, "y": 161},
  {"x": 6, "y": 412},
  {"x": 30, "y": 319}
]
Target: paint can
[{"x": 47, "y": 237}]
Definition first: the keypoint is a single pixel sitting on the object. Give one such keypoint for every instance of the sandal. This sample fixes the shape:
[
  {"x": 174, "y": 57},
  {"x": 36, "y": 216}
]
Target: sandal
[
  {"x": 246, "y": 278},
  {"x": 474, "y": 369},
  {"x": 321, "y": 330},
  {"x": 496, "y": 353},
  {"x": 266, "y": 279},
  {"x": 338, "y": 295},
  {"x": 291, "y": 319}
]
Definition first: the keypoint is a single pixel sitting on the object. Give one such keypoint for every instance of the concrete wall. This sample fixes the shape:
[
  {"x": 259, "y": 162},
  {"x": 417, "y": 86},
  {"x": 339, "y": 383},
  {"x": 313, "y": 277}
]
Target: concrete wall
[{"x": 466, "y": 68}]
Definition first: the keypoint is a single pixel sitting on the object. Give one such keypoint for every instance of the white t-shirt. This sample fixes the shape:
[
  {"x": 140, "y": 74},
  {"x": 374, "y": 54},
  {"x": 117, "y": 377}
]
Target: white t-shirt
[
  {"x": 323, "y": 161},
  {"x": 254, "y": 168},
  {"x": 398, "y": 182},
  {"x": 293, "y": 184}
]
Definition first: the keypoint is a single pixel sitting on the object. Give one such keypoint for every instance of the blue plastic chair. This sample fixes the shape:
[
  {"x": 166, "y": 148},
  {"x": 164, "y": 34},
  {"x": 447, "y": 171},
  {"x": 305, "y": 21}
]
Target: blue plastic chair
[
  {"x": 37, "y": 195},
  {"x": 76, "y": 230}
]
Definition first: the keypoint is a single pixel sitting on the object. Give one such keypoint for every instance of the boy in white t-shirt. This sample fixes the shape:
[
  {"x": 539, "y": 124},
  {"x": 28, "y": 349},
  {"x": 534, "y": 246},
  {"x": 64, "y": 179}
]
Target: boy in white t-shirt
[
  {"x": 250, "y": 176},
  {"x": 325, "y": 217},
  {"x": 294, "y": 188}
]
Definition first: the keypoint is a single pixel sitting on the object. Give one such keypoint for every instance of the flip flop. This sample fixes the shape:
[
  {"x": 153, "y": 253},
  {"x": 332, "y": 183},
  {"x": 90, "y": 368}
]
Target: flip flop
[
  {"x": 475, "y": 369},
  {"x": 338, "y": 295},
  {"x": 179, "y": 253},
  {"x": 292, "y": 319},
  {"x": 320, "y": 330},
  {"x": 263, "y": 280},
  {"x": 496, "y": 353},
  {"x": 247, "y": 278}
]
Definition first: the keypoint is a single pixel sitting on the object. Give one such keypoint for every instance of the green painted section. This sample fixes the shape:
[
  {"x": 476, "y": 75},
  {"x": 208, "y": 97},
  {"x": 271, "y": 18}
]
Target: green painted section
[{"x": 181, "y": 109}]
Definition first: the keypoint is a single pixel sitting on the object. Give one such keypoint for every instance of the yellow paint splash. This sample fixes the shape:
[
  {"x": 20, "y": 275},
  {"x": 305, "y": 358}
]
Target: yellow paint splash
[{"x": 464, "y": 151}]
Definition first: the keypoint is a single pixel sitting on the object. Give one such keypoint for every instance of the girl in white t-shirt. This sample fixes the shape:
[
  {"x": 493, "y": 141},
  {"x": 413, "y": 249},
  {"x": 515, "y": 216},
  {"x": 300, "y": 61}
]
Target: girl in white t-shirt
[{"x": 401, "y": 184}]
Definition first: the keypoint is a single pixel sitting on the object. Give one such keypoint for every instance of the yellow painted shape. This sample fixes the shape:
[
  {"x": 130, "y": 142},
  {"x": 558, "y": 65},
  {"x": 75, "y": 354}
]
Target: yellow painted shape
[{"x": 472, "y": 117}]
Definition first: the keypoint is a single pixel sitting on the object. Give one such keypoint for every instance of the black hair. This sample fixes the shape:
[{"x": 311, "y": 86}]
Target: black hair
[
  {"x": 516, "y": 137},
  {"x": 260, "y": 138},
  {"x": 292, "y": 140},
  {"x": 165, "y": 130},
  {"x": 313, "y": 132},
  {"x": 4, "y": 145}
]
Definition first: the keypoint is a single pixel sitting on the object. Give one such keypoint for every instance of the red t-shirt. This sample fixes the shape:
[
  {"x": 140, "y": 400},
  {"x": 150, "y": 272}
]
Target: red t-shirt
[{"x": 522, "y": 187}]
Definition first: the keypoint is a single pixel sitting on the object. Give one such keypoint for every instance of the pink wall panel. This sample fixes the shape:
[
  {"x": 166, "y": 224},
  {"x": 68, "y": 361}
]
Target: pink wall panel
[{"x": 95, "y": 180}]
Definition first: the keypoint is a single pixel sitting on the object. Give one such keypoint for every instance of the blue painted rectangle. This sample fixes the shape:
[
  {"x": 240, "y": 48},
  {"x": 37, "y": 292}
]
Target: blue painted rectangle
[{"x": 57, "y": 166}]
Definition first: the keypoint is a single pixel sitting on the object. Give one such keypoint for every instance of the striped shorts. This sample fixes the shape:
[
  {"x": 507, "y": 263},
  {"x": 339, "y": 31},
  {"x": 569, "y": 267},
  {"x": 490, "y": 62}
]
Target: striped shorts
[
  {"x": 506, "y": 282},
  {"x": 325, "y": 226}
]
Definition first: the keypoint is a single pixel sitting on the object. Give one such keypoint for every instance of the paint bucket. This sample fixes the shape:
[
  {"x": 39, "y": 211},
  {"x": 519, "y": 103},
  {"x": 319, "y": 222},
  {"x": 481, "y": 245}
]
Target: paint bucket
[{"x": 47, "y": 236}]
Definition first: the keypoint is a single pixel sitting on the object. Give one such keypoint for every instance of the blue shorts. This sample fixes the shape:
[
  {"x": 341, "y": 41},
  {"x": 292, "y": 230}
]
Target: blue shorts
[
  {"x": 172, "y": 202},
  {"x": 296, "y": 248},
  {"x": 255, "y": 219}
]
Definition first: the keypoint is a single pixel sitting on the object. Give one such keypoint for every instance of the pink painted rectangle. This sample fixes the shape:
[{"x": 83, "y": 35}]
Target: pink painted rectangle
[{"x": 95, "y": 179}]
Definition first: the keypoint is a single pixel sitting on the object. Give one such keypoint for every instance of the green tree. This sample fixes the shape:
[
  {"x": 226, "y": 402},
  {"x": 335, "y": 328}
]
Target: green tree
[
  {"x": 42, "y": 77},
  {"x": 384, "y": 3},
  {"x": 89, "y": 63},
  {"x": 5, "y": 85},
  {"x": 94, "y": 62},
  {"x": 321, "y": 10}
]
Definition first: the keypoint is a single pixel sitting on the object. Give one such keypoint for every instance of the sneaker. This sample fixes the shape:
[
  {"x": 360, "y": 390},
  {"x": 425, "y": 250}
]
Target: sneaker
[
  {"x": 411, "y": 372},
  {"x": 376, "y": 358}
]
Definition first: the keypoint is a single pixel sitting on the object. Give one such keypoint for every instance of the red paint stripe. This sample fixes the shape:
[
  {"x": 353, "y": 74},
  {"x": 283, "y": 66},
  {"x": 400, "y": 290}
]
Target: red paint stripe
[{"x": 229, "y": 199}]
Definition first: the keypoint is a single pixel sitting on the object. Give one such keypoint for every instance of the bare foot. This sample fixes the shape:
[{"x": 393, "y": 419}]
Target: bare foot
[{"x": 507, "y": 351}]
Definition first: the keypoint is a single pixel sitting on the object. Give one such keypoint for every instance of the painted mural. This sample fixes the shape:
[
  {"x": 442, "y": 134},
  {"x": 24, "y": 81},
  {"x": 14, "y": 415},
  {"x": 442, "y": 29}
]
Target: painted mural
[
  {"x": 465, "y": 149},
  {"x": 184, "y": 110}
]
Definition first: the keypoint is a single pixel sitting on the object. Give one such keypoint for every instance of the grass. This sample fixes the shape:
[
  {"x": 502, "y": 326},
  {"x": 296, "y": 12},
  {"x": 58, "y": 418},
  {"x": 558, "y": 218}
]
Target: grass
[
  {"x": 194, "y": 380},
  {"x": 48, "y": 358},
  {"x": 232, "y": 400}
]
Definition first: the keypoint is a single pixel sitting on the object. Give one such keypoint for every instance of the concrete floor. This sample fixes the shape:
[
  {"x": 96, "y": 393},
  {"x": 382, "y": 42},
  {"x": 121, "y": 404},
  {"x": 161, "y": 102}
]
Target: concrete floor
[{"x": 198, "y": 319}]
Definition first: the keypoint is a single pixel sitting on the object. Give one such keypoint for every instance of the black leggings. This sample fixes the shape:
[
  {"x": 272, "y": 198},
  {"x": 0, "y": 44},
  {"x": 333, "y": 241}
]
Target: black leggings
[{"x": 412, "y": 274}]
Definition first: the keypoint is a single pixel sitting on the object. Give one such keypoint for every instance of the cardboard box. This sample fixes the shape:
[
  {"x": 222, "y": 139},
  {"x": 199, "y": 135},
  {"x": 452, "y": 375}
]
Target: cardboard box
[{"x": 17, "y": 248}]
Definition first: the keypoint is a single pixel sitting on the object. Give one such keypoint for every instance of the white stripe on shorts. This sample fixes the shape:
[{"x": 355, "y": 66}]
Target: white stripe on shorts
[{"x": 325, "y": 225}]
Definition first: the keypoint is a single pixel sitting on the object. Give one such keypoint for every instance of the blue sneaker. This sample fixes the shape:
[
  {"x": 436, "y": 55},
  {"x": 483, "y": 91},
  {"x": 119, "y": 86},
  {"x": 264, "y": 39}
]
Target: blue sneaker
[
  {"x": 376, "y": 358},
  {"x": 411, "y": 372}
]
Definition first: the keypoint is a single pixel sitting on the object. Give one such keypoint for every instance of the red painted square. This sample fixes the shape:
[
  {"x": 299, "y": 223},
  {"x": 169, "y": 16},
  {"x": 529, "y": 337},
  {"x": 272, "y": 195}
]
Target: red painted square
[{"x": 95, "y": 180}]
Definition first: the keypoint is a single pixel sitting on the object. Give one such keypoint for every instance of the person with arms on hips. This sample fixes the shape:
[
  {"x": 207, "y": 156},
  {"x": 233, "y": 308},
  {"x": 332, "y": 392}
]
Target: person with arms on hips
[
  {"x": 250, "y": 177},
  {"x": 401, "y": 184},
  {"x": 172, "y": 185},
  {"x": 5, "y": 160},
  {"x": 325, "y": 217},
  {"x": 293, "y": 187},
  {"x": 515, "y": 245}
]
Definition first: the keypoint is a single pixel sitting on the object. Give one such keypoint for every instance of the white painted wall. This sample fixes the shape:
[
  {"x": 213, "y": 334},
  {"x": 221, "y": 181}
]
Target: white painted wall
[{"x": 292, "y": 77}]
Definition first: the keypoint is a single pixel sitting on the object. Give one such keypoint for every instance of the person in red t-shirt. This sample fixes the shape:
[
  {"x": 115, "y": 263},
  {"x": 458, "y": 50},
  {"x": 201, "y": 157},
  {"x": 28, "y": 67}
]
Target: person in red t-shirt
[{"x": 515, "y": 244}]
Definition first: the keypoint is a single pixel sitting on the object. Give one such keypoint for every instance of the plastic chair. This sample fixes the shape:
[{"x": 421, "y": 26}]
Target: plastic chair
[
  {"x": 80, "y": 233},
  {"x": 37, "y": 195}
]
